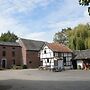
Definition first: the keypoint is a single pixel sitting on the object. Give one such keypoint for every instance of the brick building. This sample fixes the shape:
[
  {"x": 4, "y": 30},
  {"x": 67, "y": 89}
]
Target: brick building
[
  {"x": 10, "y": 54},
  {"x": 30, "y": 52}
]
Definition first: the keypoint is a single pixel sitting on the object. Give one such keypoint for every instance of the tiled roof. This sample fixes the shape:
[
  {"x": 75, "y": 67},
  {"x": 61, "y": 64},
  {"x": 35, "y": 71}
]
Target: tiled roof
[
  {"x": 56, "y": 47},
  {"x": 9, "y": 43},
  {"x": 83, "y": 54},
  {"x": 32, "y": 44}
]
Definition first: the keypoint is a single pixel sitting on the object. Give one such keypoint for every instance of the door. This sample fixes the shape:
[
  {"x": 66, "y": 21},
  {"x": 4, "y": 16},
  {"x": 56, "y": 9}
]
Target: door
[
  {"x": 3, "y": 63},
  {"x": 74, "y": 63}
]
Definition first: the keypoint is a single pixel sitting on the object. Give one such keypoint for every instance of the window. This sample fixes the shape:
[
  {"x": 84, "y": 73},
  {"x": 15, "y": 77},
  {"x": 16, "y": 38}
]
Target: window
[
  {"x": 56, "y": 54},
  {"x": 13, "y": 53},
  {"x": 59, "y": 54},
  {"x": 13, "y": 61},
  {"x": 3, "y": 53},
  {"x": 66, "y": 62},
  {"x": 30, "y": 62},
  {"x": 47, "y": 60},
  {"x": 70, "y": 54},
  {"x": 4, "y": 47},
  {"x": 13, "y": 47},
  {"x": 44, "y": 51}
]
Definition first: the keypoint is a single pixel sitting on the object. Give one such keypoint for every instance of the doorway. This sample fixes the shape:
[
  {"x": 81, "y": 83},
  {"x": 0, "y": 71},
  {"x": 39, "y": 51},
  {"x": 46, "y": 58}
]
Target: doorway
[
  {"x": 4, "y": 63},
  {"x": 74, "y": 63}
]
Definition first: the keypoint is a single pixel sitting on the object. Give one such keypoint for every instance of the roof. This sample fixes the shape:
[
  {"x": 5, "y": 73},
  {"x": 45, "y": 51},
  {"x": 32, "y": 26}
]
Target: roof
[
  {"x": 9, "y": 43},
  {"x": 83, "y": 54},
  {"x": 56, "y": 47},
  {"x": 32, "y": 44}
]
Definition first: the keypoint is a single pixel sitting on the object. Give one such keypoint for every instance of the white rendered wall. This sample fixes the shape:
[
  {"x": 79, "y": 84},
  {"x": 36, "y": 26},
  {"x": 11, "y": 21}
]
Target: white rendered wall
[
  {"x": 79, "y": 62},
  {"x": 51, "y": 62},
  {"x": 49, "y": 53}
]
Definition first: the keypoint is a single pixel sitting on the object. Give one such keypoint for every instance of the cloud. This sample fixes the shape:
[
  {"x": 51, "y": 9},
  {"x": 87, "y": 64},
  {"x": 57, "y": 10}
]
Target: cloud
[
  {"x": 22, "y": 6},
  {"x": 36, "y": 35},
  {"x": 68, "y": 15},
  {"x": 16, "y": 16},
  {"x": 10, "y": 24}
]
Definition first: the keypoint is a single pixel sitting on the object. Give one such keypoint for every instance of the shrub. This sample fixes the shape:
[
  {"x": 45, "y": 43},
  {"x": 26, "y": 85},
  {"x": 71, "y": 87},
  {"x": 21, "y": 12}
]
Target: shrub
[
  {"x": 24, "y": 66},
  {"x": 17, "y": 67}
]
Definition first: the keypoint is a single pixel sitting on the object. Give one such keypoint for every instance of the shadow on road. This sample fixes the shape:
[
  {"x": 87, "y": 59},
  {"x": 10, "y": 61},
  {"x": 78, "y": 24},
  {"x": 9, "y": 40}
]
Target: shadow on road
[
  {"x": 43, "y": 85},
  {"x": 5, "y": 87}
]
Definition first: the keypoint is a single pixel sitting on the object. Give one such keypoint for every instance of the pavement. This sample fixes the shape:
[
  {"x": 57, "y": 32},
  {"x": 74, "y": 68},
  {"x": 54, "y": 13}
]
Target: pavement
[{"x": 34, "y": 79}]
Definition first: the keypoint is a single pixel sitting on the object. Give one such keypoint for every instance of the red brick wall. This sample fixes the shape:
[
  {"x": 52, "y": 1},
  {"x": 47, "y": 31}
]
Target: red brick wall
[
  {"x": 33, "y": 61},
  {"x": 9, "y": 58}
]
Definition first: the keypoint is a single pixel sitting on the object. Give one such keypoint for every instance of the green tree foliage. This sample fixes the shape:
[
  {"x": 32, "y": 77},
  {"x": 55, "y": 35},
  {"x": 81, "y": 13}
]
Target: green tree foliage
[
  {"x": 8, "y": 37},
  {"x": 60, "y": 37},
  {"x": 77, "y": 38},
  {"x": 85, "y": 3}
]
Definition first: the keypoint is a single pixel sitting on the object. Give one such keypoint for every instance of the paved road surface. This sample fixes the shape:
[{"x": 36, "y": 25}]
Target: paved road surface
[{"x": 44, "y": 80}]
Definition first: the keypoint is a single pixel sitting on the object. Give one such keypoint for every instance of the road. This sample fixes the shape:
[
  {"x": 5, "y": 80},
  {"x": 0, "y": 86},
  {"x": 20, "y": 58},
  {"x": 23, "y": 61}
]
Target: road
[{"x": 44, "y": 80}]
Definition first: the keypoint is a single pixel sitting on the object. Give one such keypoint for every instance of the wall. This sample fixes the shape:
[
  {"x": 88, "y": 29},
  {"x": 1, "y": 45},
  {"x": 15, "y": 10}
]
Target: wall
[
  {"x": 8, "y": 57},
  {"x": 32, "y": 59},
  {"x": 79, "y": 63},
  {"x": 49, "y": 53},
  {"x": 23, "y": 52}
]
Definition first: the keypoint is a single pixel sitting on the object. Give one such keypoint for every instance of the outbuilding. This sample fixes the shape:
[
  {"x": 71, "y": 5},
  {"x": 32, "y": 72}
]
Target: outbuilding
[{"x": 82, "y": 57}]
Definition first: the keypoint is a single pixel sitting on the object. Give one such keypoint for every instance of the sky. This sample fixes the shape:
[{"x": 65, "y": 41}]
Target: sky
[{"x": 40, "y": 19}]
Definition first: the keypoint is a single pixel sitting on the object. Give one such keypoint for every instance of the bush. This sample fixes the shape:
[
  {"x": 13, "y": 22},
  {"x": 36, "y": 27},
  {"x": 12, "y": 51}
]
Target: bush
[
  {"x": 17, "y": 67},
  {"x": 24, "y": 66},
  {"x": 1, "y": 68}
]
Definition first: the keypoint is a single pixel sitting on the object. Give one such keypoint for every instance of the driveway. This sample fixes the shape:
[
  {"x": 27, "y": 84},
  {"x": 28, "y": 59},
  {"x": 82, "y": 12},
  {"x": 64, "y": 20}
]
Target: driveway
[{"x": 34, "y": 79}]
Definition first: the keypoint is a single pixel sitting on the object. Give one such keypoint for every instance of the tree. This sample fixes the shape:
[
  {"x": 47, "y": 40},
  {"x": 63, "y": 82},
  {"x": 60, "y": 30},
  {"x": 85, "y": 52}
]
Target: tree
[
  {"x": 79, "y": 37},
  {"x": 8, "y": 37},
  {"x": 85, "y": 3},
  {"x": 61, "y": 37}
]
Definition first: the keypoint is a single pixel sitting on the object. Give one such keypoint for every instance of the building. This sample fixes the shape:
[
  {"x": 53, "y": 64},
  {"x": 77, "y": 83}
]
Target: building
[
  {"x": 34, "y": 53},
  {"x": 82, "y": 59},
  {"x": 55, "y": 54},
  {"x": 30, "y": 52},
  {"x": 10, "y": 54}
]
